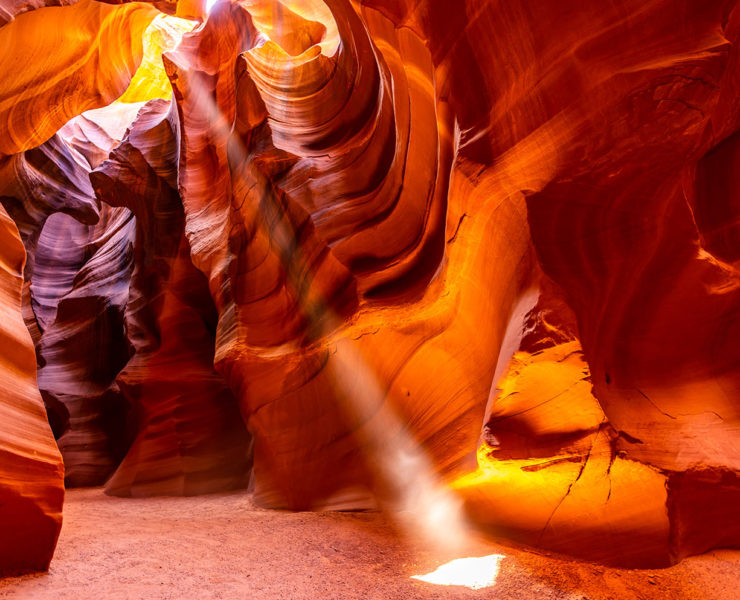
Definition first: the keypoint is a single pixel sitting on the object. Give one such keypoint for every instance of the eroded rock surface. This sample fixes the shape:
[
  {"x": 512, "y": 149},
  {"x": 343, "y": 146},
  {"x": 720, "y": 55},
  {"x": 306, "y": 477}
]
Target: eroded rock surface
[
  {"x": 31, "y": 470},
  {"x": 503, "y": 234}
]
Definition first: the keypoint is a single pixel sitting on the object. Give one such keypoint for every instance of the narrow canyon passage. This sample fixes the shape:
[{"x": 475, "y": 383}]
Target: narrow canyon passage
[
  {"x": 224, "y": 547},
  {"x": 370, "y": 299}
]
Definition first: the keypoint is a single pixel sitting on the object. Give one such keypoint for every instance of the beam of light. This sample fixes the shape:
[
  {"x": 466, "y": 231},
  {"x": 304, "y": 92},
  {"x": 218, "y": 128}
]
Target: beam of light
[
  {"x": 475, "y": 573},
  {"x": 415, "y": 495},
  {"x": 419, "y": 500},
  {"x": 209, "y": 5}
]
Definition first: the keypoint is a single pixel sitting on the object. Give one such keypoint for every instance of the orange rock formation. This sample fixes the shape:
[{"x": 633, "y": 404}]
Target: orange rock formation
[{"x": 309, "y": 233}]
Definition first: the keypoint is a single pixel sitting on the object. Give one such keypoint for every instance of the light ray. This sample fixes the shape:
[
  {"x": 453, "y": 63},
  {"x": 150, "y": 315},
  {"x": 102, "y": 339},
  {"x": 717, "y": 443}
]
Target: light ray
[{"x": 420, "y": 501}]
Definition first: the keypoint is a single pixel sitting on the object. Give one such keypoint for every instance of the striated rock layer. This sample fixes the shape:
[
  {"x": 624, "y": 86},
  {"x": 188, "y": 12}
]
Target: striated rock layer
[
  {"x": 190, "y": 436},
  {"x": 485, "y": 243},
  {"x": 31, "y": 471},
  {"x": 78, "y": 269}
]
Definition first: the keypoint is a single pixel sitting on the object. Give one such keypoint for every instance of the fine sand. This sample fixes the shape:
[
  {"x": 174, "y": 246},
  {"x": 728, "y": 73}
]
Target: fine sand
[{"x": 223, "y": 546}]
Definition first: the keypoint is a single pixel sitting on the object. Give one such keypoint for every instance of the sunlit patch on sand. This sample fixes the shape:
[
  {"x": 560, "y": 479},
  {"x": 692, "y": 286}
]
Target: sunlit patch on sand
[{"x": 475, "y": 573}]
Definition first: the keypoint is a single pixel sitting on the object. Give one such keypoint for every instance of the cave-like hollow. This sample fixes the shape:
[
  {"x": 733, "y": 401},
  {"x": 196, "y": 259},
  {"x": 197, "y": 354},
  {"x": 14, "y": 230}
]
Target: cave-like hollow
[{"x": 471, "y": 268}]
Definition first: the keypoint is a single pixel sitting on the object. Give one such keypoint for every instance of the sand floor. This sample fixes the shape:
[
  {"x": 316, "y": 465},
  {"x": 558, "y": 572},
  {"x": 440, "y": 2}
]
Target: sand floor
[{"x": 222, "y": 546}]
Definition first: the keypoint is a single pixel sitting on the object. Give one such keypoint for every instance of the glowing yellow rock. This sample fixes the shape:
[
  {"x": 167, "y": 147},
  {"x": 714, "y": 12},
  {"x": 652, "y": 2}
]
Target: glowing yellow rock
[{"x": 150, "y": 81}]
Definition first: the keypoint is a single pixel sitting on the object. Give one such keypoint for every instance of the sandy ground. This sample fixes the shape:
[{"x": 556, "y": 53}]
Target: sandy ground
[{"x": 222, "y": 546}]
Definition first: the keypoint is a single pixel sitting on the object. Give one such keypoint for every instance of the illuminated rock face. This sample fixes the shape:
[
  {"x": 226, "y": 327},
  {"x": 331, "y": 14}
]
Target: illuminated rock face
[
  {"x": 31, "y": 471},
  {"x": 506, "y": 233}
]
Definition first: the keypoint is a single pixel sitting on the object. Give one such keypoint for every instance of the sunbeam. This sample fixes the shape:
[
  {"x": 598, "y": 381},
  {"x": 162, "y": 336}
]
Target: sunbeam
[{"x": 408, "y": 485}]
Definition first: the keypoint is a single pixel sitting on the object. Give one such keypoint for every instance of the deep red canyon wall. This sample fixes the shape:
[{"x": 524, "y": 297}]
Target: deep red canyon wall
[
  {"x": 31, "y": 471},
  {"x": 313, "y": 234}
]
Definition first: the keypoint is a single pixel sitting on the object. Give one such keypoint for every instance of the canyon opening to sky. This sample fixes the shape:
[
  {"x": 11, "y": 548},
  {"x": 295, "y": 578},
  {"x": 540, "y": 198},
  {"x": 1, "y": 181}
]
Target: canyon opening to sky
[{"x": 370, "y": 299}]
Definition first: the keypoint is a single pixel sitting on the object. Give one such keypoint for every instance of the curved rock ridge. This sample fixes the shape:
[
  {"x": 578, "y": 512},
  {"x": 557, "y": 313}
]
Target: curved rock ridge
[
  {"x": 48, "y": 179},
  {"x": 9, "y": 9},
  {"x": 82, "y": 350},
  {"x": 81, "y": 57},
  {"x": 253, "y": 288},
  {"x": 77, "y": 293},
  {"x": 31, "y": 470},
  {"x": 442, "y": 197},
  {"x": 191, "y": 438},
  {"x": 35, "y": 184},
  {"x": 485, "y": 243},
  {"x": 96, "y": 132}
]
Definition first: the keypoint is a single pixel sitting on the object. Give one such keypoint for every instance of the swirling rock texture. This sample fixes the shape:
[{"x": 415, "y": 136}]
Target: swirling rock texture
[
  {"x": 191, "y": 438},
  {"x": 505, "y": 233},
  {"x": 73, "y": 58},
  {"x": 31, "y": 470},
  {"x": 83, "y": 348},
  {"x": 75, "y": 307},
  {"x": 84, "y": 59}
]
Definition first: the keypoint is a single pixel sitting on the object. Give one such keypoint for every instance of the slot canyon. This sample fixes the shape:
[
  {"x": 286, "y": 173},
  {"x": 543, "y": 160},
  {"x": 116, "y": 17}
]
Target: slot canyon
[{"x": 371, "y": 299}]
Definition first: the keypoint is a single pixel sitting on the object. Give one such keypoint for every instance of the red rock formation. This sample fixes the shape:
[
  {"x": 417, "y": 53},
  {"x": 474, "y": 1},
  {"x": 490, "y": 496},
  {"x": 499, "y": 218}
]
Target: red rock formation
[
  {"x": 191, "y": 438},
  {"x": 31, "y": 471},
  {"x": 599, "y": 465},
  {"x": 77, "y": 296},
  {"x": 84, "y": 54},
  {"x": 621, "y": 241},
  {"x": 506, "y": 233},
  {"x": 83, "y": 57},
  {"x": 84, "y": 347}
]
